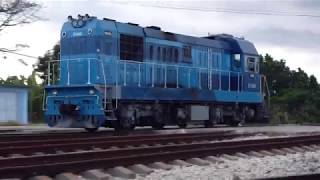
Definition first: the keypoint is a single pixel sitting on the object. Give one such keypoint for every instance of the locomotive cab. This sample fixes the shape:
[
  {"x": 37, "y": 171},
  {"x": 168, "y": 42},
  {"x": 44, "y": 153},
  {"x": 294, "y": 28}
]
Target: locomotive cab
[{"x": 74, "y": 99}]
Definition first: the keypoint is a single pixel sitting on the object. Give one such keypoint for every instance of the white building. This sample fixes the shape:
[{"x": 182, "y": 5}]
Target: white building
[{"x": 13, "y": 104}]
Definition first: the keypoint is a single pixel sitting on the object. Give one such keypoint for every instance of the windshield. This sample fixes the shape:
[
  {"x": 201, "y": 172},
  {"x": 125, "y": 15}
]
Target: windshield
[{"x": 85, "y": 45}]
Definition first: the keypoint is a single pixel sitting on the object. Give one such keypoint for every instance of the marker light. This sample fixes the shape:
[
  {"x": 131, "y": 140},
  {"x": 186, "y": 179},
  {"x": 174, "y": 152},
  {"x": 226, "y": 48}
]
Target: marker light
[
  {"x": 54, "y": 92},
  {"x": 91, "y": 91}
]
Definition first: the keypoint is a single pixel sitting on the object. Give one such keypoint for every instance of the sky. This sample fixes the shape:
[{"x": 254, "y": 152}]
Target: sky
[{"x": 284, "y": 34}]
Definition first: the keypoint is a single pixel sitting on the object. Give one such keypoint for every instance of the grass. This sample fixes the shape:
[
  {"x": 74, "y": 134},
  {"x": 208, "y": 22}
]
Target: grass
[{"x": 10, "y": 123}]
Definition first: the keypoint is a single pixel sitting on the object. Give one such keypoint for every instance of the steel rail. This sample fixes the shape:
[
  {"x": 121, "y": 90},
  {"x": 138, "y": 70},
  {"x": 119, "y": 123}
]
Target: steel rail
[
  {"x": 69, "y": 135},
  {"x": 88, "y": 144},
  {"x": 78, "y": 138},
  {"x": 315, "y": 176}
]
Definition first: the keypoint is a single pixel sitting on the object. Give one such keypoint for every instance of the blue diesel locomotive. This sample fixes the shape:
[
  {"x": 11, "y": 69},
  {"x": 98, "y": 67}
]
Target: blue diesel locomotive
[{"x": 122, "y": 75}]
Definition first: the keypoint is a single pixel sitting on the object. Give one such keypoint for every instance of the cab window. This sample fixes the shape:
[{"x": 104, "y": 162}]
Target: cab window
[
  {"x": 252, "y": 64},
  {"x": 237, "y": 59}
]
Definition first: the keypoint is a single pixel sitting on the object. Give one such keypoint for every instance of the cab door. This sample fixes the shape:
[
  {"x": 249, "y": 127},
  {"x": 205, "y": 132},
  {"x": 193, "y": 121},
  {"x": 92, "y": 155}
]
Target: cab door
[
  {"x": 251, "y": 73},
  {"x": 236, "y": 63},
  {"x": 235, "y": 74}
]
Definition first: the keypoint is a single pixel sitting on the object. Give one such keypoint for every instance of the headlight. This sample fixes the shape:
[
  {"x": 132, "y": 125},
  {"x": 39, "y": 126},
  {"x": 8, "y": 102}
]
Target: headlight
[
  {"x": 80, "y": 23},
  {"x": 74, "y": 23},
  {"x": 54, "y": 92},
  {"x": 91, "y": 91}
]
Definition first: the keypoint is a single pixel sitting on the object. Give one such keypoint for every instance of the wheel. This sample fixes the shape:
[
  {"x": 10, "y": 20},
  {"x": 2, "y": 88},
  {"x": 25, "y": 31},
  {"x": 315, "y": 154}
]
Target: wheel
[
  {"x": 208, "y": 124},
  {"x": 182, "y": 126},
  {"x": 181, "y": 123},
  {"x": 91, "y": 130},
  {"x": 132, "y": 126},
  {"x": 157, "y": 125},
  {"x": 115, "y": 124},
  {"x": 157, "y": 119},
  {"x": 234, "y": 123}
]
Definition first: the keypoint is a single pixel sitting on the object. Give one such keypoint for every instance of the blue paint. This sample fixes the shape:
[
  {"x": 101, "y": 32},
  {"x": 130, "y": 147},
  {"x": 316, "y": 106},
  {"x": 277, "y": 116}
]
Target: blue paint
[{"x": 90, "y": 57}]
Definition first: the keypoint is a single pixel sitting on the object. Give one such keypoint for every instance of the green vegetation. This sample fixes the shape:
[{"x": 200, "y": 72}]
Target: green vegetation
[
  {"x": 295, "y": 96},
  {"x": 10, "y": 123}
]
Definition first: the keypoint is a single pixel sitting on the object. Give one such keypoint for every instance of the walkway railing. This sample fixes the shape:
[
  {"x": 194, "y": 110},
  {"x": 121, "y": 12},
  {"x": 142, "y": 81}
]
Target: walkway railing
[{"x": 140, "y": 74}]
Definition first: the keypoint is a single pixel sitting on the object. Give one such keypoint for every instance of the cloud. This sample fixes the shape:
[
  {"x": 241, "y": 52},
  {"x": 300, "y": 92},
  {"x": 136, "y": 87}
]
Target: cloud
[
  {"x": 306, "y": 41},
  {"x": 295, "y": 39}
]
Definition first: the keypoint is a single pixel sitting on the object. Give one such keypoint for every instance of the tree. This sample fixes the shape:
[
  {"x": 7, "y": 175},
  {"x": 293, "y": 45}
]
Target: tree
[
  {"x": 35, "y": 98},
  {"x": 277, "y": 73},
  {"x": 17, "y": 12},
  {"x": 295, "y": 92},
  {"x": 41, "y": 66},
  {"x": 313, "y": 83},
  {"x": 15, "y": 81}
]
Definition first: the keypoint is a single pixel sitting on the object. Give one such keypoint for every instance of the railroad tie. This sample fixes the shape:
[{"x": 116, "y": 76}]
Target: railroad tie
[
  {"x": 16, "y": 155},
  {"x": 171, "y": 143},
  {"x": 141, "y": 169},
  {"x": 198, "y": 161},
  {"x": 79, "y": 150},
  {"x": 278, "y": 152},
  {"x": 267, "y": 153},
  {"x": 60, "y": 152},
  {"x": 298, "y": 149},
  {"x": 179, "y": 162},
  {"x": 161, "y": 165},
  {"x": 144, "y": 145},
  {"x": 96, "y": 174},
  {"x": 122, "y": 172},
  {"x": 316, "y": 147},
  {"x": 97, "y": 149},
  {"x": 39, "y": 154},
  {"x": 308, "y": 148},
  {"x": 241, "y": 155},
  {"x": 288, "y": 150},
  {"x": 67, "y": 176},
  {"x": 229, "y": 157},
  {"x": 213, "y": 159},
  {"x": 256, "y": 154},
  {"x": 114, "y": 147},
  {"x": 40, "y": 178}
]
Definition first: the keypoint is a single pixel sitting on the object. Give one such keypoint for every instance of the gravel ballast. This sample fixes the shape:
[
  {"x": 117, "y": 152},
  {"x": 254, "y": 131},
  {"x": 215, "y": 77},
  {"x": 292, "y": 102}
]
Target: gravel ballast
[{"x": 251, "y": 168}]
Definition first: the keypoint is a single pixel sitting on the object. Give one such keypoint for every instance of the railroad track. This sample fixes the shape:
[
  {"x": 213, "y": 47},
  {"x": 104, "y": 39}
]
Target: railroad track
[
  {"x": 158, "y": 155},
  {"x": 51, "y": 146},
  {"x": 67, "y": 134},
  {"x": 315, "y": 176}
]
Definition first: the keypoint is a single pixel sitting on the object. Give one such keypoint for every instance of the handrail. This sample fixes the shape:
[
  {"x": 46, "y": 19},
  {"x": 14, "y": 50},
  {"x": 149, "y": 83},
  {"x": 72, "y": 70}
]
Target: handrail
[
  {"x": 123, "y": 67},
  {"x": 268, "y": 92},
  {"x": 105, "y": 85},
  {"x": 144, "y": 62},
  {"x": 209, "y": 71}
]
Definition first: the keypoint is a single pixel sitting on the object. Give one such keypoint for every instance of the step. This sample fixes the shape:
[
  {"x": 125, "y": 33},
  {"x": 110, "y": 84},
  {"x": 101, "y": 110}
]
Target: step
[
  {"x": 109, "y": 110},
  {"x": 111, "y": 119}
]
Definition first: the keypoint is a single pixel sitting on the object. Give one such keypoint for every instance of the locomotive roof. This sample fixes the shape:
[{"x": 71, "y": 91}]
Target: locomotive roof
[{"x": 220, "y": 41}]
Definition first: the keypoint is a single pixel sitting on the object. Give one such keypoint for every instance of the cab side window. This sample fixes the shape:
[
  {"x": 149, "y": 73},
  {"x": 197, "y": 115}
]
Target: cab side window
[
  {"x": 251, "y": 64},
  {"x": 187, "y": 54},
  {"x": 236, "y": 60}
]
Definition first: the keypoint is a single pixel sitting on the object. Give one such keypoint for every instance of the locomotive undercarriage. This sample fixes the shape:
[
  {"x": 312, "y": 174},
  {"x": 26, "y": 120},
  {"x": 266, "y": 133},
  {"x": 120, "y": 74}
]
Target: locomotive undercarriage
[{"x": 128, "y": 115}]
